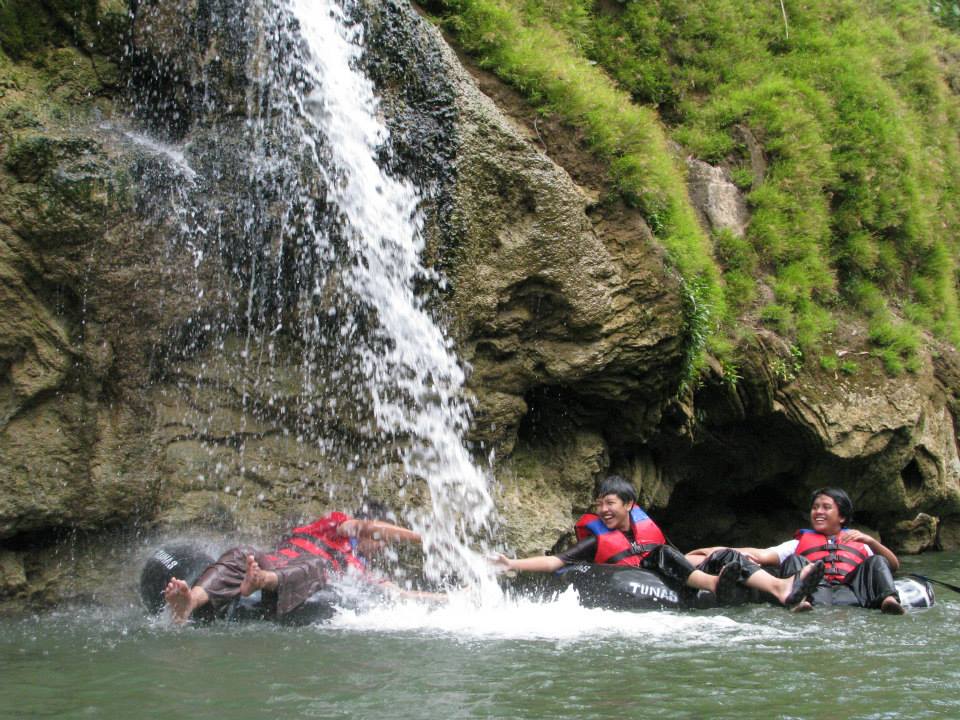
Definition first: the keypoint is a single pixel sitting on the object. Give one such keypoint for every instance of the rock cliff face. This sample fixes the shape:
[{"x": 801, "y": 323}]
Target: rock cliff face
[{"x": 130, "y": 401}]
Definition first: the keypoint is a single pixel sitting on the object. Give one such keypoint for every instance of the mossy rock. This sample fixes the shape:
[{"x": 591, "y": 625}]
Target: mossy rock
[
  {"x": 69, "y": 190},
  {"x": 18, "y": 116},
  {"x": 28, "y": 26},
  {"x": 30, "y": 158},
  {"x": 914, "y": 536},
  {"x": 72, "y": 79},
  {"x": 13, "y": 577}
]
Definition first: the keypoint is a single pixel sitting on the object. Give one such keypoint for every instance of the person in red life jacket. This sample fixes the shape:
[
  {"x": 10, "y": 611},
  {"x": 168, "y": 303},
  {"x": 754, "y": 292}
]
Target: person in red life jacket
[
  {"x": 621, "y": 533},
  {"x": 858, "y": 568},
  {"x": 303, "y": 563}
]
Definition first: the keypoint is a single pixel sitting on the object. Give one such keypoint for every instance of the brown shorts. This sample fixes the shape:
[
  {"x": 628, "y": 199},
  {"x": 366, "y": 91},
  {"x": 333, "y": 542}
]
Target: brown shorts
[{"x": 297, "y": 580}]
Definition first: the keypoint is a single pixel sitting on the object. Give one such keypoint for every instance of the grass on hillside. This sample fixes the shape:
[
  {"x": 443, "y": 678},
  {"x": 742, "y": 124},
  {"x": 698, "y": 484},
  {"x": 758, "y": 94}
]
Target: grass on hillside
[
  {"x": 853, "y": 103},
  {"x": 542, "y": 60}
]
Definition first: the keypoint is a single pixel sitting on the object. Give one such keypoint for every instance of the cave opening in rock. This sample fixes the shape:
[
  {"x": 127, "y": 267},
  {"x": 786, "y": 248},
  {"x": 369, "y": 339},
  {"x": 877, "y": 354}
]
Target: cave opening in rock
[
  {"x": 912, "y": 476},
  {"x": 549, "y": 413},
  {"x": 697, "y": 516}
]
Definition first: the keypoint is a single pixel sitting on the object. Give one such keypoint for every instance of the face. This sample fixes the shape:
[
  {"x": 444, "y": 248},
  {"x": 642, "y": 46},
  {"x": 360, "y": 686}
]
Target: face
[
  {"x": 614, "y": 512},
  {"x": 825, "y": 516}
]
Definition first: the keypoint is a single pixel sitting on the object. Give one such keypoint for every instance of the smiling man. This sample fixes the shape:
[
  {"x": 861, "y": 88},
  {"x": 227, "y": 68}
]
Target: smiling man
[
  {"x": 858, "y": 568},
  {"x": 620, "y": 533}
]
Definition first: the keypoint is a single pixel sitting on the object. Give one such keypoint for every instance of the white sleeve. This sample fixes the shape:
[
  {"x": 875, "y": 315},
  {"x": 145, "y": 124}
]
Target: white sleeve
[{"x": 786, "y": 549}]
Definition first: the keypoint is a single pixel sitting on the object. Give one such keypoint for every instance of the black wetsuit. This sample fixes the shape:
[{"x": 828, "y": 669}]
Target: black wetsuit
[
  {"x": 666, "y": 560},
  {"x": 867, "y": 585},
  {"x": 663, "y": 559}
]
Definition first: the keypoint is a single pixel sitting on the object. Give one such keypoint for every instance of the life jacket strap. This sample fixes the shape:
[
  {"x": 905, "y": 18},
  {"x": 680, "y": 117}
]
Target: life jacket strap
[
  {"x": 310, "y": 544},
  {"x": 634, "y": 549},
  {"x": 832, "y": 549},
  {"x": 852, "y": 551}
]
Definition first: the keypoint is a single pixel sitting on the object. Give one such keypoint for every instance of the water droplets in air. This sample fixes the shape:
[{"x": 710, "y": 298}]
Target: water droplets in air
[
  {"x": 320, "y": 261},
  {"x": 412, "y": 372}
]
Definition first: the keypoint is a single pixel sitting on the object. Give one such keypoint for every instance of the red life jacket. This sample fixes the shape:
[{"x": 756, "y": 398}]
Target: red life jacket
[
  {"x": 612, "y": 545},
  {"x": 320, "y": 538},
  {"x": 839, "y": 559}
]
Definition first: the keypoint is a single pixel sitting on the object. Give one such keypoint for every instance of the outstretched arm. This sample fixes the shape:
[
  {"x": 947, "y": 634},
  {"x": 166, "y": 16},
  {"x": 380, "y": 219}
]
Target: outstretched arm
[
  {"x": 538, "y": 563},
  {"x": 377, "y": 530},
  {"x": 583, "y": 551},
  {"x": 761, "y": 556},
  {"x": 878, "y": 547}
]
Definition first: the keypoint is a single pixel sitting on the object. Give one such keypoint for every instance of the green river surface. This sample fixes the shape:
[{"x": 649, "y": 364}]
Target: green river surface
[{"x": 516, "y": 659}]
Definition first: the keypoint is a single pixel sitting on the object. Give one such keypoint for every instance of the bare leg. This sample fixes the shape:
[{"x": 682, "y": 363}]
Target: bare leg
[
  {"x": 780, "y": 588},
  {"x": 256, "y": 578},
  {"x": 702, "y": 581},
  {"x": 183, "y": 600},
  {"x": 761, "y": 580}
]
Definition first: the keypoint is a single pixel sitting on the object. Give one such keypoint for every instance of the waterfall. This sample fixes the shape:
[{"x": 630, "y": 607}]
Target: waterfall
[
  {"x": 408, "y": 365},
  {"x": 319, "y": 251},
  {"x": 313, "y": 308}
]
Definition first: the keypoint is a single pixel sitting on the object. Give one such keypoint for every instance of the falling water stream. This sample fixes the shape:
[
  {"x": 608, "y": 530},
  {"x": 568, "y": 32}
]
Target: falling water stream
[
  {"x": 410, "y": 367},
  {"x": 328, "y": 260}
]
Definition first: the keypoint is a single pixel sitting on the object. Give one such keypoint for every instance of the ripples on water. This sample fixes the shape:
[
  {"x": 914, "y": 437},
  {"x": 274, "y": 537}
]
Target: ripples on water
[{"x": 515, "y": 659}]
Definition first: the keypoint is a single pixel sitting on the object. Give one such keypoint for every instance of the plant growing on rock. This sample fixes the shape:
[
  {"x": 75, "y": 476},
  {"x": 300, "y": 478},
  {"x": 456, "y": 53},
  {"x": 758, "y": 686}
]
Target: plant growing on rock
[{"x": 856, "y": 129}]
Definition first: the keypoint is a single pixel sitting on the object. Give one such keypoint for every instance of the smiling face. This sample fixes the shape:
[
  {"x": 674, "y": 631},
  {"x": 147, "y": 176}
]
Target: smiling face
[
  {"x": 614, "y": 512},
  {"x": 825, "y": 517}
]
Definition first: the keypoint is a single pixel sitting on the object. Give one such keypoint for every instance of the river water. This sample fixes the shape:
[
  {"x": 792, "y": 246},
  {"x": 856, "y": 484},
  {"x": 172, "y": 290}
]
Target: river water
[{"x": 517, "y": 659}]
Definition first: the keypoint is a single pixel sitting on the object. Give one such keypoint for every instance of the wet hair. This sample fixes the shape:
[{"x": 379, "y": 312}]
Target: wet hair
[
  {"x": 616, "y": 485},
  {"x": 843, "y": 501}
]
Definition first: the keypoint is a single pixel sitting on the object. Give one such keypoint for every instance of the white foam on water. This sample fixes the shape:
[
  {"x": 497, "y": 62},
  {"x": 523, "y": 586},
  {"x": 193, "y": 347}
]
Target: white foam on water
[{"x": 562, "y": 619}]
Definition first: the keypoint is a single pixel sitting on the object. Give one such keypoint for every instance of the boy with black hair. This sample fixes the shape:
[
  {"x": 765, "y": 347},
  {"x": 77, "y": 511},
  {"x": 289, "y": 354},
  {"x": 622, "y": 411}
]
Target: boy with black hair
[
  {"x": 620, "y": 533},
  {"x": 858, "y": 567}
]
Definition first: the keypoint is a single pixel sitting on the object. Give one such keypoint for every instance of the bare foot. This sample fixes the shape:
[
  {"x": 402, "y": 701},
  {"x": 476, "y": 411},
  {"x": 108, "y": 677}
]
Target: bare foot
[
  {"x": 179, "y": 600},
  {"x": 891, "y": 606},
  {"x": 802, "y": 606},
  {"x": 256, "y": 578},
  {"x": 803, "y": 584}
]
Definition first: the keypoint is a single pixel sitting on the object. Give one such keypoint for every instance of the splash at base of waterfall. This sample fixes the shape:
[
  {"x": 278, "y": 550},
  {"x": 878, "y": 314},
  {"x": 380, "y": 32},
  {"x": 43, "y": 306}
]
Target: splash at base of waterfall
[{"x": 561, "y": 618}]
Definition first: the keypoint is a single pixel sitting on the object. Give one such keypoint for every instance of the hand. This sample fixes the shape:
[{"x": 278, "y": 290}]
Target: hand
[
  {"x": 501, "y": 563},
  {"x": 860, "y": 537},
  {"x": 390, "y": 589}
]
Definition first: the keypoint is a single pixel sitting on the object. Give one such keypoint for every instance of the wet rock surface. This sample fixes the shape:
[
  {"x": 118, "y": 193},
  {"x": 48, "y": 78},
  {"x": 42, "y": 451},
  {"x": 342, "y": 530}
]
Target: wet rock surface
[
  {"x": 719, "y": 203},
  {"x": 121, "y": 409},
  {"x": 783, "y": 431}
]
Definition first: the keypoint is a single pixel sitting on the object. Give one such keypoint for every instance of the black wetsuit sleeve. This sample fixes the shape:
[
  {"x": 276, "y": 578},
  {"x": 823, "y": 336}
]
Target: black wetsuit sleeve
[{"x": 583, "y": 551}]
